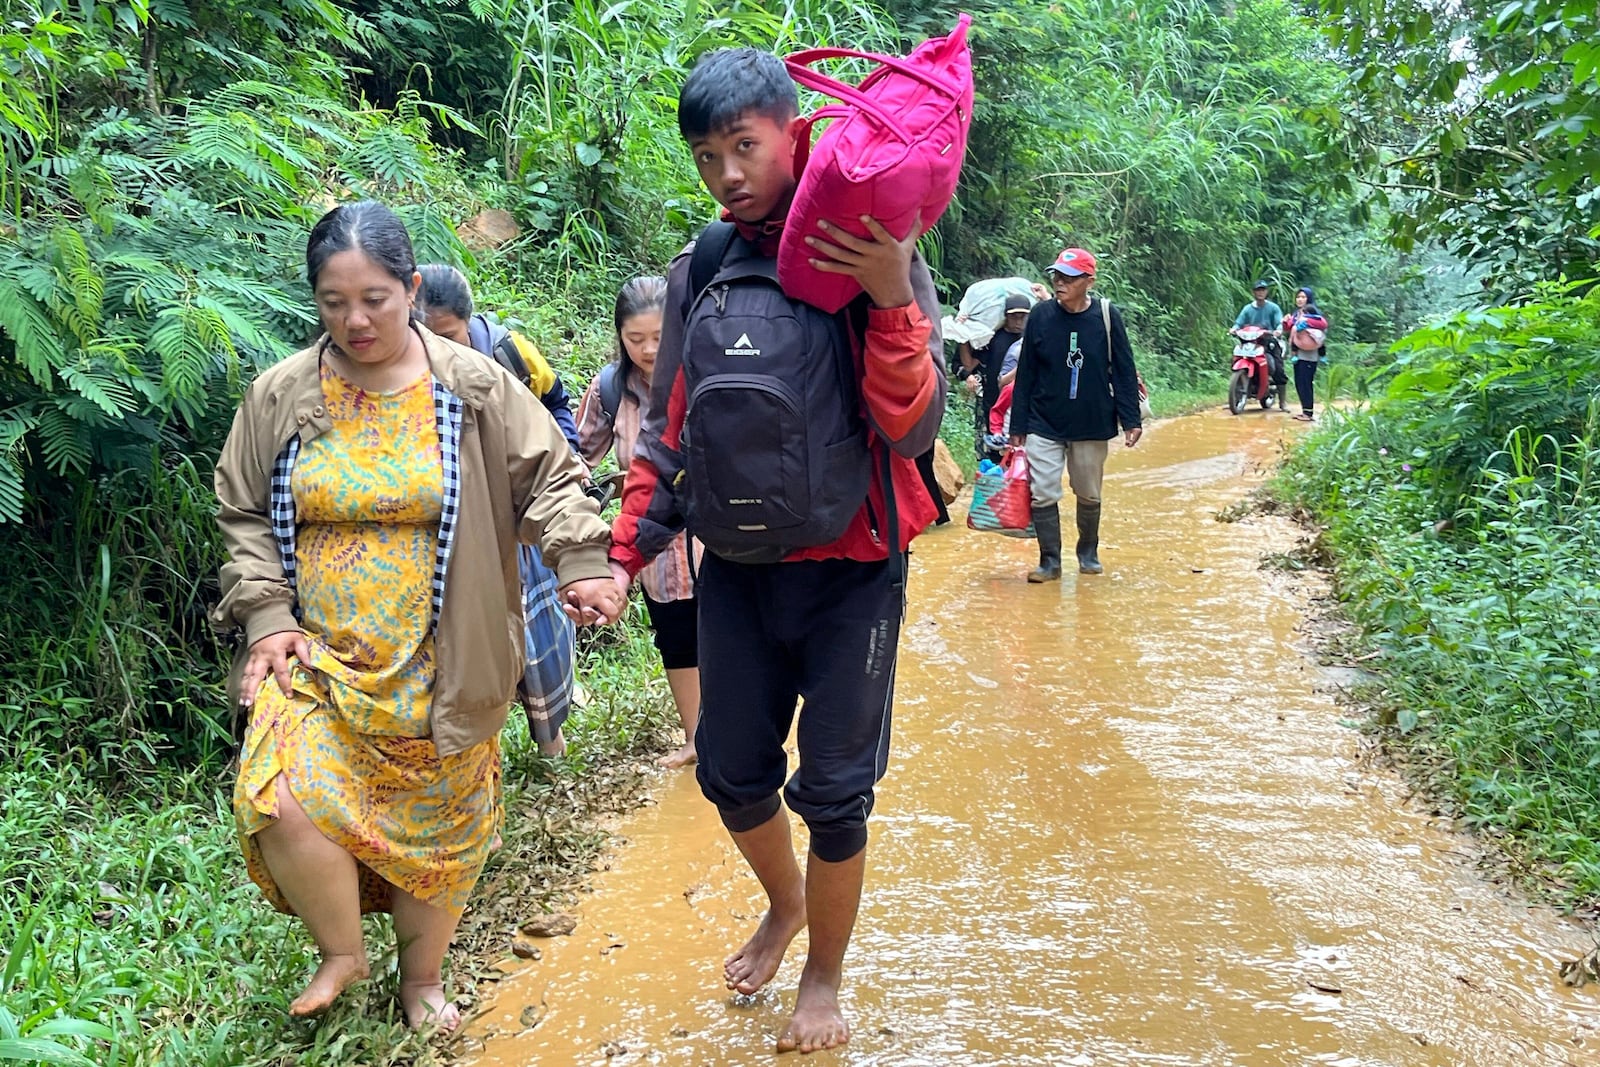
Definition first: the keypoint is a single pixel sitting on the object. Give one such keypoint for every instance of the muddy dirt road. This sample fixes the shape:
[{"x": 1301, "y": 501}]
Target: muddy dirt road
[{"x": 1123, "y": 825}]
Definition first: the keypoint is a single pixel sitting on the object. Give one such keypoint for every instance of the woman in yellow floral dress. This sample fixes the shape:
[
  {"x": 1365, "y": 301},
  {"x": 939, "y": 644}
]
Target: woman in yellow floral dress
[{"x": 372, "y": 495}]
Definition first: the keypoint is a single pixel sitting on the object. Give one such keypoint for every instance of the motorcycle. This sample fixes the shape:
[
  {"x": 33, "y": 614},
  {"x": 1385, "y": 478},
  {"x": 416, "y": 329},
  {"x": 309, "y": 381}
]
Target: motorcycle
[{"x": 1253, "y": 357}]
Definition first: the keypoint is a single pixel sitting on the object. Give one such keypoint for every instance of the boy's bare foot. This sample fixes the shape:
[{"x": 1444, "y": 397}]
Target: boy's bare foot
[
  {"x": 425, "y": 1006},
  {"x": 681, "y": 758},
  {"x": 334, "y": 975},
  {"x": 817, "y": 1022},
  {"x": 754, "y": 965}
]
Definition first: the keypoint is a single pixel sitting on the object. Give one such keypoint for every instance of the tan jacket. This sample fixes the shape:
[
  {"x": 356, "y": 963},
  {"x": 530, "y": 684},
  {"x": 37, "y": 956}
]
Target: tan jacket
[{"x": 519, "y": 481}]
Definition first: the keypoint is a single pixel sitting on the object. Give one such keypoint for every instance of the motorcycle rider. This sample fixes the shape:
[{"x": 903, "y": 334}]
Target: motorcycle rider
[{"x": 1269, "y": 316}]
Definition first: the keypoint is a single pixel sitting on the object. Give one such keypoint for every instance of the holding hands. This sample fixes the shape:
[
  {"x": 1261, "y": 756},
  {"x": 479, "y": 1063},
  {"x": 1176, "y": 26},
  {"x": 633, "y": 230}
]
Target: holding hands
[{"x": 592, "y": 601}]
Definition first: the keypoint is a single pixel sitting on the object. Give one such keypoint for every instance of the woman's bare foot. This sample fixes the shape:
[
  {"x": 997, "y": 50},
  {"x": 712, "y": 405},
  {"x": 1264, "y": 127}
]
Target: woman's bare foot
[
  {"x": 426, "y": 1006},
  {"x": 817, "y": 1022},
  {"x": 681, "y": 758},
  {"x": 753, "y": 966},
  {"x": 334, "y": 975}
]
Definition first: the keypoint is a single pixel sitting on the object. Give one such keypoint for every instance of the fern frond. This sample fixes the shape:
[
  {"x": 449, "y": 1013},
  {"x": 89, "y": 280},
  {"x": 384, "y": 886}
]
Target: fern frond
[
  {"x": 105, "y": 391},
  {"x": 94, "y": 187},
  {"x": 15, "y": 425},
  {"x": 250, "y": 292},
  {"x": 432, "y": 235},
  {"x": 10, "y": 489},
  {"x": 38, "y": 345},
  {"x": 173, "y": 12},
  {"x": 239, "y": 326},
  {"x": 184, "y": 359},
  {"x": 392, "y": 158},
  {"x": 226, "y": 141},
  {"x": 41, "y": 282},
  {"x": 145, "y": 291},
  {"x": 210, "y": 327},
  {"x": 63, "y": 441},
  {"x": 85, "y": 412},
  {"x": 86, "y": 286}
]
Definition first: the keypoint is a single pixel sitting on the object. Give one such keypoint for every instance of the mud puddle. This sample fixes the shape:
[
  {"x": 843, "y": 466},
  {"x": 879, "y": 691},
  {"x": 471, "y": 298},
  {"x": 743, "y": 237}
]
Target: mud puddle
[{"x": 1122, "y": 826}]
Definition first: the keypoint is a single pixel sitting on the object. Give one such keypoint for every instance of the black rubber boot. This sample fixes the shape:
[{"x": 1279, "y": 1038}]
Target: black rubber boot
[
  {"x": 1089, "y": 539},
  {"x": 1047, "y": 526}
]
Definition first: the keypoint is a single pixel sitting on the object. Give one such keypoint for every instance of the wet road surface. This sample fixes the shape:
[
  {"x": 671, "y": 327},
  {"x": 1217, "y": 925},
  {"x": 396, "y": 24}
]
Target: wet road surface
[{"x": 1122, "y": 825}]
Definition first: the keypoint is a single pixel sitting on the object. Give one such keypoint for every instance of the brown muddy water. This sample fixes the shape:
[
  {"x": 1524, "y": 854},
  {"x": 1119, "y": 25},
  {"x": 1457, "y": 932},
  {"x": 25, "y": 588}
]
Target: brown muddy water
[{"x": 1123, "y": 825}]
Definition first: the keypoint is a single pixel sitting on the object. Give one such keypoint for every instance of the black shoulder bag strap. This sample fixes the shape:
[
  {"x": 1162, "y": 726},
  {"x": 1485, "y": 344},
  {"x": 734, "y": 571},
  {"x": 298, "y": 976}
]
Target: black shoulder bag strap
[{"x": 709, "y": 250}]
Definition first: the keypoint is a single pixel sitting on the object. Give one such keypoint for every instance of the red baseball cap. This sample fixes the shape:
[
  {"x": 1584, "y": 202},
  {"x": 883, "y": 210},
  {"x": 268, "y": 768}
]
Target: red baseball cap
[{"x": 1072, "y": 263}]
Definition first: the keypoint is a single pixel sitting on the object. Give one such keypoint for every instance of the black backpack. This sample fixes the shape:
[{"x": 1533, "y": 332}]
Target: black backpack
[
  {"x": 610, "y": 391},
  {"x": 774, "y": 443}
]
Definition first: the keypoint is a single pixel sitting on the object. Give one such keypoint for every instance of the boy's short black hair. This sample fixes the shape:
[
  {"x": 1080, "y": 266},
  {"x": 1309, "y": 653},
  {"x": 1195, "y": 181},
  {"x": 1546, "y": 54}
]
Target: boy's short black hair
[{"x": 730, "y": 82}]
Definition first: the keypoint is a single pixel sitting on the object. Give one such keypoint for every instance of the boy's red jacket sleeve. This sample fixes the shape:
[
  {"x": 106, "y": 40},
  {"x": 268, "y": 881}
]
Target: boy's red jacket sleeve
[{"x": 902, "y": 381}]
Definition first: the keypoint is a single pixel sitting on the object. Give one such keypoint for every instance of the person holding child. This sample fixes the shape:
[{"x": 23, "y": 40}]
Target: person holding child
[
  {"x": 371, "y": 496},
  {"x": 1307, "y": 331},
  {"x": 822, "y": 620}
]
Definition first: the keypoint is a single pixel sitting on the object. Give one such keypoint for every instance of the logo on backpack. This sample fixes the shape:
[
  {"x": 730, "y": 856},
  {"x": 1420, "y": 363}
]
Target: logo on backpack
[{"x": 775, "y": 451}]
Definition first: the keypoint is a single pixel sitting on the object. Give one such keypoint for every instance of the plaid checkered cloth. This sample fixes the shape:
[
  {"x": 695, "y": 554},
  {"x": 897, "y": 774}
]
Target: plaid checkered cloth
[{"x": 546, "y": 686}]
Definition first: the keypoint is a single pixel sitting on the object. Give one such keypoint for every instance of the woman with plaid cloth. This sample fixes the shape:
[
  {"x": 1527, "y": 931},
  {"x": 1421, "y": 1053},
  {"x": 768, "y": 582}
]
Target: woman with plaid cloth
[
  {"x": 445, "y": 300},
  {"x": 371, "y": 496}
]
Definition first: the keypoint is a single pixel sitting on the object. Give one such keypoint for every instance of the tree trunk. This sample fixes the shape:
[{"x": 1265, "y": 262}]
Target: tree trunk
[{"x": 152, "y": 94}]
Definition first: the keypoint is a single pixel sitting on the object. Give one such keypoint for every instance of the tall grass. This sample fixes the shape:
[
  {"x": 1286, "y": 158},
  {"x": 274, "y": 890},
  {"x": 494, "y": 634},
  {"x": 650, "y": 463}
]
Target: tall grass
[
  {"x": 1465, "y": 552},
  {"x": 104, "y": 647}
]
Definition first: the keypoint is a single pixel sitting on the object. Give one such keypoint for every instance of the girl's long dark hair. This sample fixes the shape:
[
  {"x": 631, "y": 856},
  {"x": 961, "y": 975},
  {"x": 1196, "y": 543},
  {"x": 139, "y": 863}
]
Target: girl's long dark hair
[{"x": 639, "y": 296}]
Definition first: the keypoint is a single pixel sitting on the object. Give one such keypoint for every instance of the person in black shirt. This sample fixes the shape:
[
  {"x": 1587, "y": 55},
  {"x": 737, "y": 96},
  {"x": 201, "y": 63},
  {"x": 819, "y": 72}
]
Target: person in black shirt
[
  {"x": 1076, "y": 383},
  {"x": 982, "y": 365}
]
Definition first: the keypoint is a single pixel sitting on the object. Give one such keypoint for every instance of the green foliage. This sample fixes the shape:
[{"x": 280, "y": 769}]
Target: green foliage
[
  {"x": 155, "y": 264},
  {"x": 1179, "y": 142},
  {"x": 1463, "y": 511},
  {"x": 1467, "y": 383},
  {"x": 126, "y": 668},
  {"x": 1477, "y": 123}
]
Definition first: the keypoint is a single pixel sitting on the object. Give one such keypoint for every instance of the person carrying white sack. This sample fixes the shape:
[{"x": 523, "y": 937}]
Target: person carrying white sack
[{"x": 983, "y": 309}]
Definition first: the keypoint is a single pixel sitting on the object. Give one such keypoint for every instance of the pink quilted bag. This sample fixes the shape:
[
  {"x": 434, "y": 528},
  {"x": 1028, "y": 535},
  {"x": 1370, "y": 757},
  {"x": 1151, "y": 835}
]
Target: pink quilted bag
[{"x": 894, "y": 149}]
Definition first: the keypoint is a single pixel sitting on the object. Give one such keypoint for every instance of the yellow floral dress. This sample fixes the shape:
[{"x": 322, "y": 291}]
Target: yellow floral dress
[{"x": 353, "y": 741}]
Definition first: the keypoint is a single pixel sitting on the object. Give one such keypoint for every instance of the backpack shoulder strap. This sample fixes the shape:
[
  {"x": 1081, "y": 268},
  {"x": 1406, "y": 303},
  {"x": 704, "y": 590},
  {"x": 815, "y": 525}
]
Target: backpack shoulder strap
[
  {"x": 494, "y": 340},
  {"x": 710, "y": 248},
  {"x": 610, "y": 391},
  {"x": 1105, "y": 317},
  {"x": 506, "y": 354},
  {"x": 531, "y": 366}
]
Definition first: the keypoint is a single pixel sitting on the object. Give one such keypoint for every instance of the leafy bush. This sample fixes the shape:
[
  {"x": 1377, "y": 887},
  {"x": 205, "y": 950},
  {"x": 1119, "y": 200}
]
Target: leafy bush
[{"x": 1464, "y": 512}]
